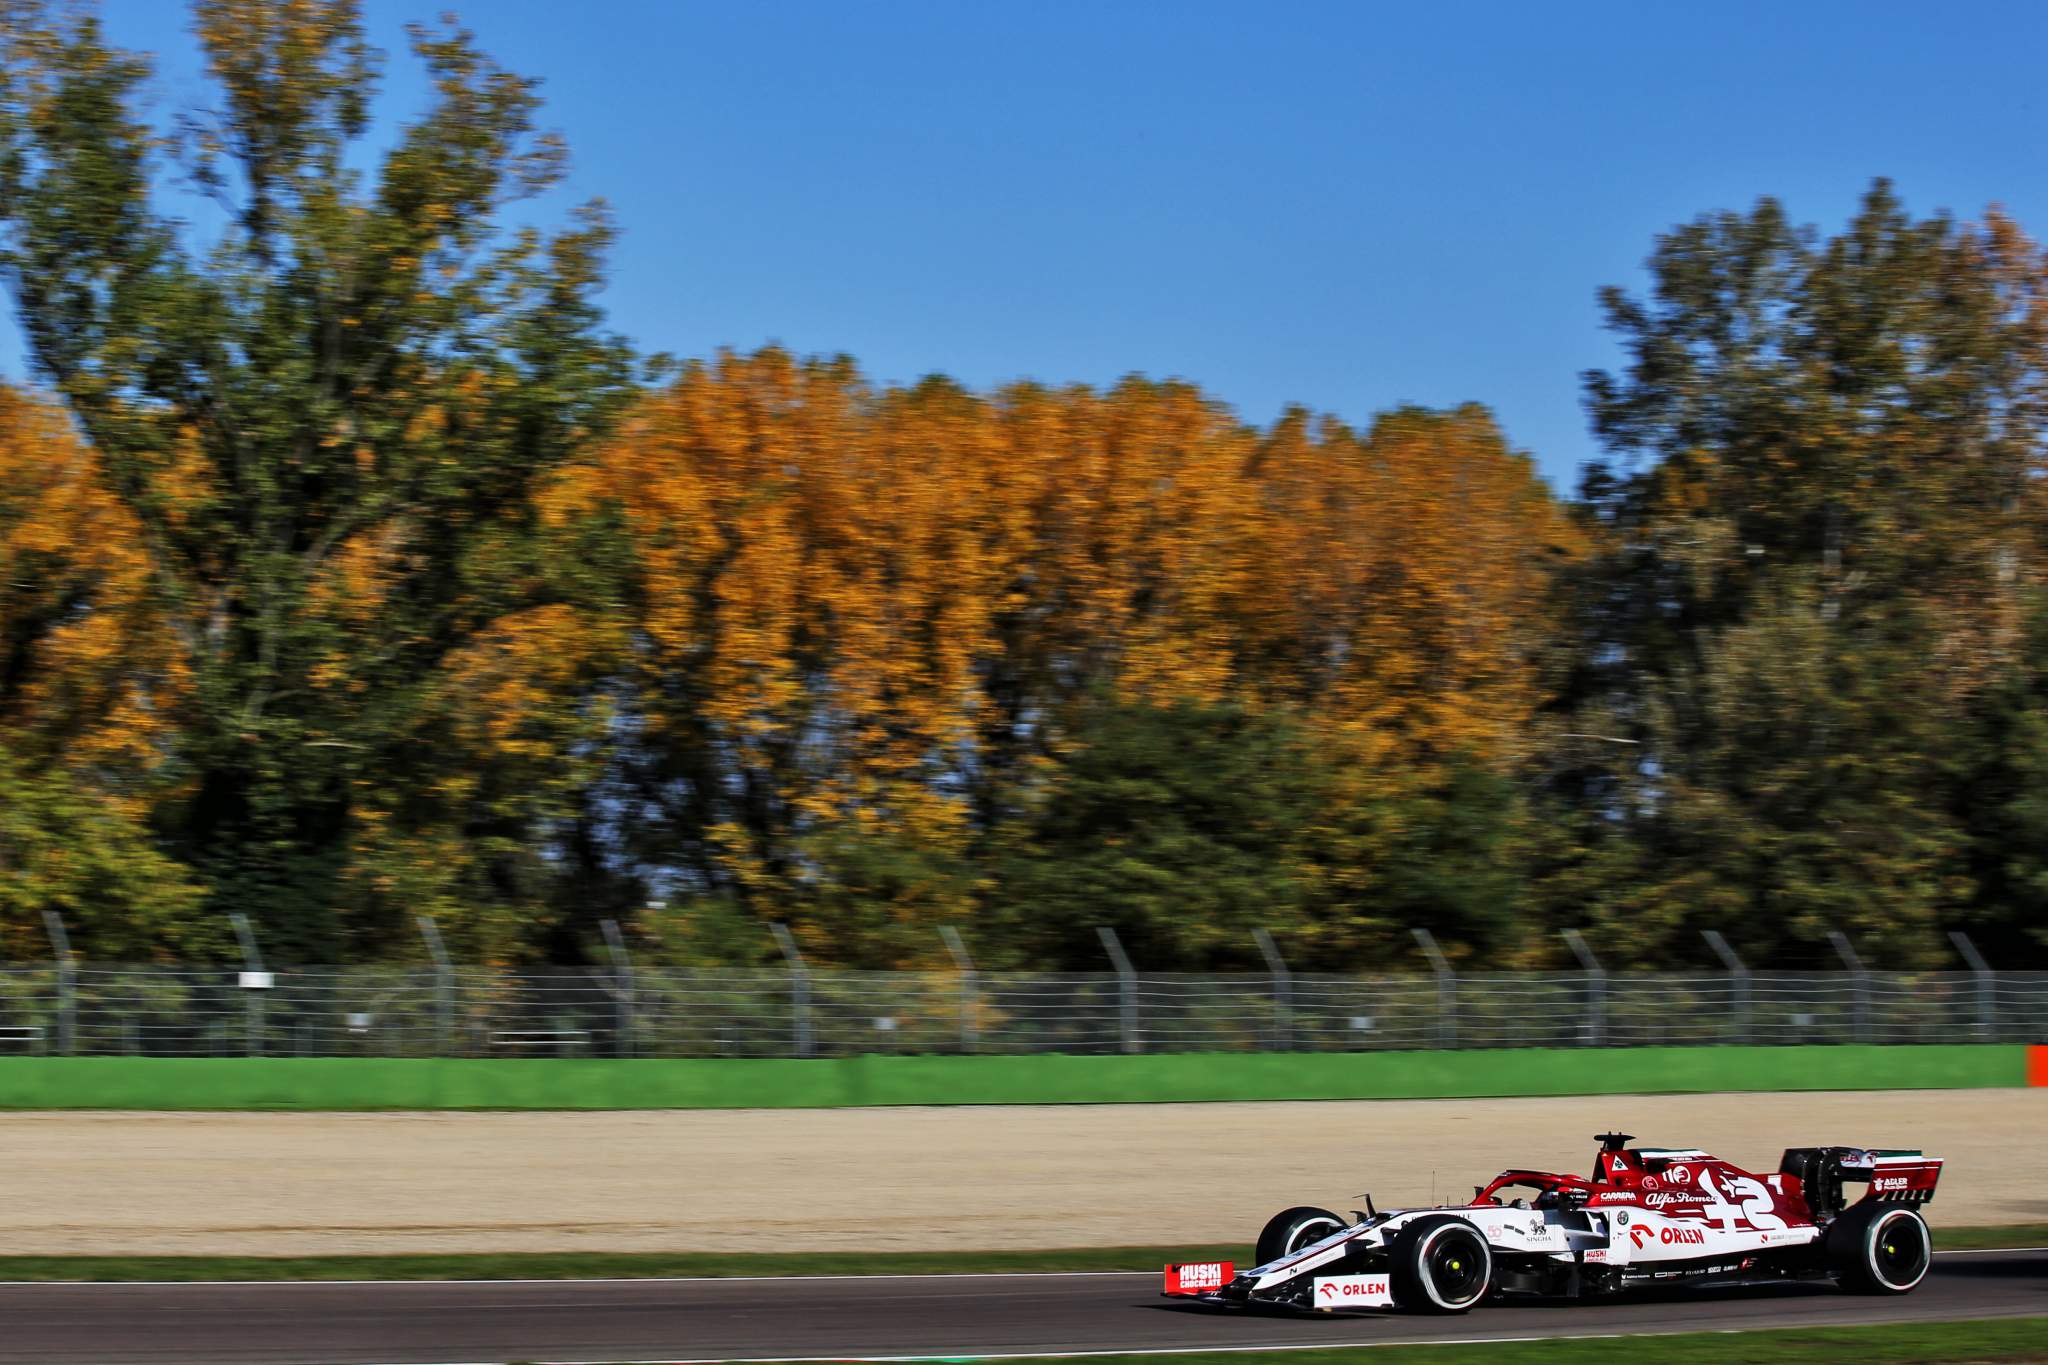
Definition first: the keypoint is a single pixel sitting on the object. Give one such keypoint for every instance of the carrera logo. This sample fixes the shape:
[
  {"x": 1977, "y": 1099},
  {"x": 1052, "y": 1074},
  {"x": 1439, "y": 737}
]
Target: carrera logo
[
  {"x": 1354, "y": 1291},
  {"x": 1198, "y": 1277}
]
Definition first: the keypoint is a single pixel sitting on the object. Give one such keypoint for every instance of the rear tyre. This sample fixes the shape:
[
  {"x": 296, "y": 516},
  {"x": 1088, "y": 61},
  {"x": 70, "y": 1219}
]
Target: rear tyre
[
  {"x": 1440, "y": 1265},
  {"x": 1289, "y": 1231},
  {"x": 1879, "y": 1249}
]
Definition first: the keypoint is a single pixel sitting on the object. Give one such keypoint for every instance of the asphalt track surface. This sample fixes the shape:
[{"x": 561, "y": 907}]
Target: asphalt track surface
[{"x": 848, "y": 1317}]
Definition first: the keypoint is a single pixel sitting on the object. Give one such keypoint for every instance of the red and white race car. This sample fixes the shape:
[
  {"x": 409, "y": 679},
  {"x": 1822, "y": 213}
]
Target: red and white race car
[{"x": 1647, "y": 1216}]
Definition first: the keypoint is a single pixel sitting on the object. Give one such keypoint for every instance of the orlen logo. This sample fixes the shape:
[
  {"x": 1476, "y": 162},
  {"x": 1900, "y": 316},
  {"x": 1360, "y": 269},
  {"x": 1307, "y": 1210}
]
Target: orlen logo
[
  {"x": 1640, "y": 1234},
  {"x": 1354, "y": 1291}
]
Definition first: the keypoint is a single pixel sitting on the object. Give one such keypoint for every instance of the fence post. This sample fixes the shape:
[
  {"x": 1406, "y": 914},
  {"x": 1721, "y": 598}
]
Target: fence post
[
  {"x": 67, "y": 984},
  {"x": 1854, "y": 963},
  {"x": 1738, "y": 975},
  {"x": 1127, "y": 988},
  {"x": 1446, "y": 989},
  {"x": 444, "y": 986},
  {"x": 799, "y": 987},
  {"x": 1597, "y": 987},
  {"x": 1283, "y": 991},
  {"x": 254, "y": 981},
  {"x": 954, "y": 945},
  {"x": 622, "y": 988},
  {"x": 1987, "y": 1021}
]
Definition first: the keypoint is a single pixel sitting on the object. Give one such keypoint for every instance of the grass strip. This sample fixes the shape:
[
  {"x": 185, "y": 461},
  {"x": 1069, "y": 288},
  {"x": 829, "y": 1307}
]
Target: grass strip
[
  {"x": 473, "y": 1083},
  {"x": 1979, "y": 1239},
  {"x": 597, "y": 1265},
  {"x": 2004, "y": 1340}
]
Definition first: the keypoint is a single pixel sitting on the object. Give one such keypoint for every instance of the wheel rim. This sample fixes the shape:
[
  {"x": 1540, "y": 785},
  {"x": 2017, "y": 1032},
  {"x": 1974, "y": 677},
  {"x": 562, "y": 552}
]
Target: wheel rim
[
  {"x": 1455, "y": 1264},
  {"x": 1898, "y": 1250},
  {"x": 1308, "y": 1232}
]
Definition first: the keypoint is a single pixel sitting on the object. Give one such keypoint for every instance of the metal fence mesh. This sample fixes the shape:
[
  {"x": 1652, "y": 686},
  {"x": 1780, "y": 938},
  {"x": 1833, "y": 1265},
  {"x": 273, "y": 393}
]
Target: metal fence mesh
[{"x": 471, "y": 1012}]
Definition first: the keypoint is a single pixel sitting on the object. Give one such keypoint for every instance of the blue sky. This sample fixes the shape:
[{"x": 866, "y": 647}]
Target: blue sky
[{"x": 1346, "y": 205}]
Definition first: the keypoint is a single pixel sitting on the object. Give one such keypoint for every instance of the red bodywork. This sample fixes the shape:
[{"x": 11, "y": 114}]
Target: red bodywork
[{"x": 1709, "y": 1190}]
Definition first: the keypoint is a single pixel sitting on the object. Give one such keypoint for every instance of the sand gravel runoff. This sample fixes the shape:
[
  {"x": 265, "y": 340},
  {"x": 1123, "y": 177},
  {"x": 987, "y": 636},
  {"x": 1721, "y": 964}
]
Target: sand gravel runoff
[{"x": 899, "y": 1179}]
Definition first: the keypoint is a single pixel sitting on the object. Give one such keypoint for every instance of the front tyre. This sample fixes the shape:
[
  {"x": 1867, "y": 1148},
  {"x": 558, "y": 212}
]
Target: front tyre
[
  {"x": 1440, "y": 1265},
  {"x": 1879, "y": 1249},
  {"x": 1290, "y": 1230}
]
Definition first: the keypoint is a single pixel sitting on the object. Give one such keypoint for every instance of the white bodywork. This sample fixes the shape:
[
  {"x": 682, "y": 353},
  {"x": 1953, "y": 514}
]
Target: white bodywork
[{"x": 1617, "y": 1237}]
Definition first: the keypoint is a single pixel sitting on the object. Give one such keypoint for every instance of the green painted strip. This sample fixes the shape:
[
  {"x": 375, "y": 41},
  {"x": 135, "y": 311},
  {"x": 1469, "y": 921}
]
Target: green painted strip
[{"x": 379, "y": 1083}]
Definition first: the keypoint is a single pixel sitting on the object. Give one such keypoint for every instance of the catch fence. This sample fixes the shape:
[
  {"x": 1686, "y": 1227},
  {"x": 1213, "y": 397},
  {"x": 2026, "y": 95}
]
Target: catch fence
[{"x": 456, "y": 1011}]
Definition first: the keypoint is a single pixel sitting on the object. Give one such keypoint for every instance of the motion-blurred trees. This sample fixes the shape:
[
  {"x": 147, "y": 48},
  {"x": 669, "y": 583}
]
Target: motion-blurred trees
[
  {"x": 321, "y": 430},
  {"x": 90, "y": 683},
  {"x": 880, "y": 637},
  {"x": 346, "y": 573},
  {"x": 1806, "y": 589}
]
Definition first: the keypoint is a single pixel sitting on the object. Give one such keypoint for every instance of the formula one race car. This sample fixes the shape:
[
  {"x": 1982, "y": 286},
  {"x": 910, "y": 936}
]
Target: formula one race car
[{"x": 1648, "y": 1216}]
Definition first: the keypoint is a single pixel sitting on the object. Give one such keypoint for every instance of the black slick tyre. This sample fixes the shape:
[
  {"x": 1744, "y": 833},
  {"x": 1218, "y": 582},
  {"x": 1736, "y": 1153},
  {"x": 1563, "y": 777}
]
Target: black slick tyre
[
  {"x": 1440, "y": 1265},
  {"x": 1879, "y": 1249},
  {"x": 1292, "y": 1229}
]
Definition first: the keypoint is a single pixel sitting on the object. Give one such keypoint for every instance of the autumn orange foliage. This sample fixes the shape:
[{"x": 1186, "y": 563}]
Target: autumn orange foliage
[
  {"x": 90, "y": 674},
  {"x": 868, "y": 597}
]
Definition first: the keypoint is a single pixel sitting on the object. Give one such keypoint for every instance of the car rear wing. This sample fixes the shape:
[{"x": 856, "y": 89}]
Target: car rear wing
[{"x": 1896, "y": 1177}]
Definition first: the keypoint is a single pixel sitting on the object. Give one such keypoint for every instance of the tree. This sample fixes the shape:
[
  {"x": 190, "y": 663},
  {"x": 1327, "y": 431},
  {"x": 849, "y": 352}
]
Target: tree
[
  {"x": 327, "y": 428},
  {"x": 866, "y": 628},
  {"x": 85, "y": 856},
  {"x": 1826, "y": 558},
  {"x": 1183, "y": 828}
]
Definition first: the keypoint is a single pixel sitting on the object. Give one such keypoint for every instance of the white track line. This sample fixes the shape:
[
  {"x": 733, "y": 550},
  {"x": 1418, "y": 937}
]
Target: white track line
[{"x": 956, "y": 1358}]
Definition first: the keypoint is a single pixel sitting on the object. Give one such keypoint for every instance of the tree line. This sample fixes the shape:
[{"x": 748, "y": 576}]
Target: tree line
[{"x": 351, "y": 569}]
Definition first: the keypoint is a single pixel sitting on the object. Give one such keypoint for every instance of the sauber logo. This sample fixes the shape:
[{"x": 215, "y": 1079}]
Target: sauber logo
[{"x": 1198, "y": 1277}]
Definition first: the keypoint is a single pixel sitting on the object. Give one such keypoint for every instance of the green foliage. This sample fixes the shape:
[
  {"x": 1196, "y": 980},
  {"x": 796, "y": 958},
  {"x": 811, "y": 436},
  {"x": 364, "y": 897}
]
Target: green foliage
[
  {"x": 1185, "y": 827},
  {"x": 327, "y": 426},
  {"x": 1179, "y": 827},
  {"x": 68, "y": 850},
  {"x": 1796, "y": 603}
]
